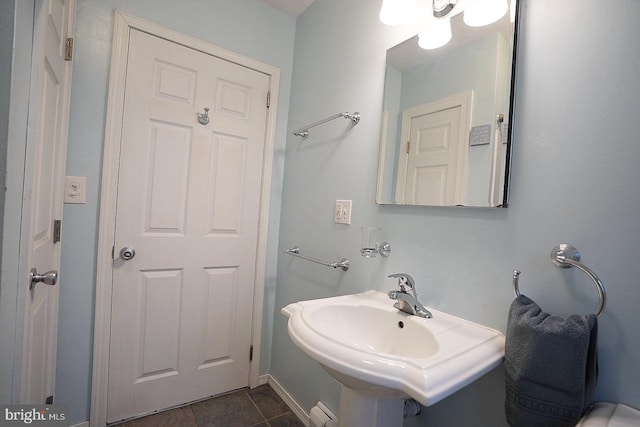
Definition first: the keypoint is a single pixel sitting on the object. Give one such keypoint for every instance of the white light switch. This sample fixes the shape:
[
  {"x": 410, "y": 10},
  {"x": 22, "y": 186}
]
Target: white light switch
[
  {"x": 75, "y": 189},
  {"x": 342, "y": 214}
]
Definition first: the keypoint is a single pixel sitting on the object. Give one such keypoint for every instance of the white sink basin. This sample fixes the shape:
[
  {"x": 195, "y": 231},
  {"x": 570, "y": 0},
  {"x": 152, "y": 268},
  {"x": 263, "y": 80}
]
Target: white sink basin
[{"x": 364, "y": 342}]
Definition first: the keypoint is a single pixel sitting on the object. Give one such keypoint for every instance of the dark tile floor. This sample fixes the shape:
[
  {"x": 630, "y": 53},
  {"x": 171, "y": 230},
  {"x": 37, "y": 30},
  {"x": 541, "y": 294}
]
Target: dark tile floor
[{"x": 259, "y": 407}]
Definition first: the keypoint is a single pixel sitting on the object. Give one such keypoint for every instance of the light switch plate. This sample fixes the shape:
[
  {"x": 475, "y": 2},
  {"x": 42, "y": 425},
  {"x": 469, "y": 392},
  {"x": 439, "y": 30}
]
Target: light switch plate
[
  {"x": 75, "y": 188},
  {"x": 342, "y": 213}
]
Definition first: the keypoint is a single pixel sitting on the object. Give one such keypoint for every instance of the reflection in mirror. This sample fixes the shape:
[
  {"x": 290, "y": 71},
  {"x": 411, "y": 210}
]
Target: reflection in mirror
[{"x": 445, "y": 122}]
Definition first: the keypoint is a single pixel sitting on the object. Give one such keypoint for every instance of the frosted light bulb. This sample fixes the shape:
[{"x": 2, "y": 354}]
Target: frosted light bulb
[
  {"x": 437, "y": 33},
  {"x": 484, "y": 12}
]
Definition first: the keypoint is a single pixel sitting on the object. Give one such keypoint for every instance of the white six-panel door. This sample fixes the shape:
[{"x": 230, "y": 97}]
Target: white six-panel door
[
  {"x": 188, "y": 203},
  {"x": 49, "y": 118}
]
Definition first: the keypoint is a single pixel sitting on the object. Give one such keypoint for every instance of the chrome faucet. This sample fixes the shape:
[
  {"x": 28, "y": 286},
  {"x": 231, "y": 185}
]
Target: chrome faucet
[{"x": 407, "y": 298}]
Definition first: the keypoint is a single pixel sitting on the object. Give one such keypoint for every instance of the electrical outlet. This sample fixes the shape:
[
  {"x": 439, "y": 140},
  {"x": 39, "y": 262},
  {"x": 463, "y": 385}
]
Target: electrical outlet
[
  {"x": 342, "y": 213},
  {"x": 75, "y": 188}
]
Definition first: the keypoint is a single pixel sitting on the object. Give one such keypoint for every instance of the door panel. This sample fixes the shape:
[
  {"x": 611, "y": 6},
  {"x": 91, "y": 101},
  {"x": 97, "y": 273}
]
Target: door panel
[
  {"x": 220, "y": 294},
  {"x": 159, "y": 317},
  {"x": 168, "y": 178},
  {"x": 226, "y": 181},
  {"x": 188, "y": 201}
]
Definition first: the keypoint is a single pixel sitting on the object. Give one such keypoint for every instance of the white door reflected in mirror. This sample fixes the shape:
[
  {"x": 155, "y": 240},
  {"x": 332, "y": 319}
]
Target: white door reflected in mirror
[{"x": 432, "y": 166}]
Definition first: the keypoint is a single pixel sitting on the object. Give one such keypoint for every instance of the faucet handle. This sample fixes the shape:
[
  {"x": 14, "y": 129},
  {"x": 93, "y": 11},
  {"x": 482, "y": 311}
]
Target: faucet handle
[{"x": 403, "y": 280}]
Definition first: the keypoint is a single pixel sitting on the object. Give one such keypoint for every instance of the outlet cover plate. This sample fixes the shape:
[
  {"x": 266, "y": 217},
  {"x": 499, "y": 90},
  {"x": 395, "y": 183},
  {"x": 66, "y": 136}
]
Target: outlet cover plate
[{"x": 75, "y": 189}]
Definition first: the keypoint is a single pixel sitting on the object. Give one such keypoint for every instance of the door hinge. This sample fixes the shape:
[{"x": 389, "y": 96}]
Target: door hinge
[
  {"x": 113, "y": 251},
  {"x": 68, "y": 49},
  {"x": 250, "y": 353},
  {"x": 49, "y": 400},
  {"x": 268, "y": 99},
  {"x": 57, "y": 230},
  {"x": 408, "y": 147}
]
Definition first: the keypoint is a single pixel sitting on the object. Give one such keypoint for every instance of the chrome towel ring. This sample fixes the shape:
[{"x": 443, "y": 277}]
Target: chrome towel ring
[{"x": 566, "y": 256}]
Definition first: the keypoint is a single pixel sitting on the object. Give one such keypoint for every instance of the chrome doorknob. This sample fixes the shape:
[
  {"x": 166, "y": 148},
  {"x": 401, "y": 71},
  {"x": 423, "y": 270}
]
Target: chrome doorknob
[
  {"x": 127, "y": 253},
  {"x": 49, "y": 278}
]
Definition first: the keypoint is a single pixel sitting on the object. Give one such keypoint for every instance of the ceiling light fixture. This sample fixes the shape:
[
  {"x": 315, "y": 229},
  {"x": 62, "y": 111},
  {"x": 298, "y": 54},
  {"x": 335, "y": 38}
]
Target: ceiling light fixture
[
  {"x": 479, "y": 13},
  {"x": 436, "y": 33},
  {"x": 437, "y": 29},
  {"x": 442, "y": 8}
]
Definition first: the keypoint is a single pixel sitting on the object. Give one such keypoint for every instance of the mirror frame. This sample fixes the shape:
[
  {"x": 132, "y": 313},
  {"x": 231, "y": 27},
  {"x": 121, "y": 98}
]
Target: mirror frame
[{"x": 517, "y": 27}]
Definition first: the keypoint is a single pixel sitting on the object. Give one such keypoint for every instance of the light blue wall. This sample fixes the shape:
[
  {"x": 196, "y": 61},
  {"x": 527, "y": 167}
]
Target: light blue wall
[
  {"x": 11, "y": 281},
  {"x": 575, "y": 179},
  {"x": 249, "y": 27},
  {"x": 7, "y": 13}
]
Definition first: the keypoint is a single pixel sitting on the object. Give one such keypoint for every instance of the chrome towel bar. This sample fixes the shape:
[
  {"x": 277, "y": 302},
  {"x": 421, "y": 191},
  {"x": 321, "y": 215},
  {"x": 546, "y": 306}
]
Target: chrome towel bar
[
  {"x": 304, "y": 131},
  {"x": 566, "y": 256},
  {"x": 295, "y": 251}
]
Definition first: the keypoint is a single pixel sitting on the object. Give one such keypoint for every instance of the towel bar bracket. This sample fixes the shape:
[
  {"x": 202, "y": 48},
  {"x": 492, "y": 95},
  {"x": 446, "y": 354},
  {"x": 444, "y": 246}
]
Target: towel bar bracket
[{"x": 563, "y": 252}]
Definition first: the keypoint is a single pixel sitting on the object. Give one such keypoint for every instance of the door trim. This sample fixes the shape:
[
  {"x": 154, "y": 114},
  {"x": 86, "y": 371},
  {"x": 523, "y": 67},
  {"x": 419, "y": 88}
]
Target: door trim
[{"x": 123, "y": 25}]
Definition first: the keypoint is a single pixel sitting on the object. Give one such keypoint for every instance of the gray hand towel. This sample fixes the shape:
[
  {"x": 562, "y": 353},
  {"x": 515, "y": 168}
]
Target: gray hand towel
[{"x": 550, "y": 366}]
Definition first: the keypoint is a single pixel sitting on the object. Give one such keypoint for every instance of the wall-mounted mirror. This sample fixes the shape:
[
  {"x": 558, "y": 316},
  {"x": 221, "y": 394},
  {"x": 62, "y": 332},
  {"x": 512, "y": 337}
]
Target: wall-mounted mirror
[{"x": 445, "y": 133}]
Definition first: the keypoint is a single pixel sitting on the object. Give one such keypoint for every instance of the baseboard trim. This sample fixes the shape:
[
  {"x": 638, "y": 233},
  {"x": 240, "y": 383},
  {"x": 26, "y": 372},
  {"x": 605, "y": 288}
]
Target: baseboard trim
[
  {"x": 290, "y": 401},
  {"x": 82, "y": 424},
  {"x": 263, "y": 379}
]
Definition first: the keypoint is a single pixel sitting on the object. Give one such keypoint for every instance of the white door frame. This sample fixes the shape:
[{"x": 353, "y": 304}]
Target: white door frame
[{"x": 123, "y": 25}]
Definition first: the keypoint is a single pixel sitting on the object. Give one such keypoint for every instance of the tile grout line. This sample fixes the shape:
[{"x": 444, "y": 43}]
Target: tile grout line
[
  {"x": 265, "y": 419},
  {"x": 256, "y": 406}
]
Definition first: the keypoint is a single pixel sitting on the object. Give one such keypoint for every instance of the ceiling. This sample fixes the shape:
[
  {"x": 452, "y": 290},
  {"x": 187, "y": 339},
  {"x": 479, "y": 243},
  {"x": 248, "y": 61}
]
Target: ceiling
[{"x": 292, "y": 7}]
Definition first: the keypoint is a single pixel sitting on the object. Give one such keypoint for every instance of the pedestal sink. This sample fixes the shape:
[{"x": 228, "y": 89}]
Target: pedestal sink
[{"x": 381, "y": 356}]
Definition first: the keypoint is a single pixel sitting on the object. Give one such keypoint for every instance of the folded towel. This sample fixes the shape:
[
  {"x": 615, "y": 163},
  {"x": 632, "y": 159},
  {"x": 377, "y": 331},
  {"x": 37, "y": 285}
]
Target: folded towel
[{"x": 550, "y": 366}]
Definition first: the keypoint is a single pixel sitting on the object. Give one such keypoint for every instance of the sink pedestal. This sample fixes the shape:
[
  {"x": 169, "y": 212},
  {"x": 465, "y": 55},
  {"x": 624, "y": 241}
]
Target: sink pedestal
[{"x": 361, "y": 408}]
